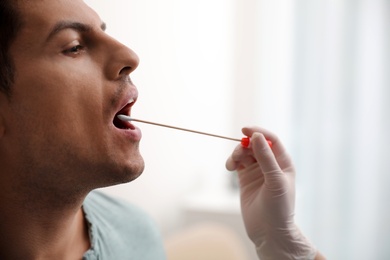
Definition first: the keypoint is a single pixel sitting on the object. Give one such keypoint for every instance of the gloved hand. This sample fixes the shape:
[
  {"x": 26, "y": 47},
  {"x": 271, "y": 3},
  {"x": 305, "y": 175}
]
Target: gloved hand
[{"x": 267, "y": 186}]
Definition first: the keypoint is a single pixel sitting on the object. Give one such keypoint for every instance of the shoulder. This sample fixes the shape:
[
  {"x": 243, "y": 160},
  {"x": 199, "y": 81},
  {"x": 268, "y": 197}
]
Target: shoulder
[
  {"x": 101, "y": 202},
  {"x": 103, "y": 207},
  {"x": 119, "y": 226}
]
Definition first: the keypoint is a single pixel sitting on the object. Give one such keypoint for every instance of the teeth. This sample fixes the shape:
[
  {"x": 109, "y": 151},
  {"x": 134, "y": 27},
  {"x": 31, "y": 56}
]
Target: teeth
[{"x": 131, "y": 101}]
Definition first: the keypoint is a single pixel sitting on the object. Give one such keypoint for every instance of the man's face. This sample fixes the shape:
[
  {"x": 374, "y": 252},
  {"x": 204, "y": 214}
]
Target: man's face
[{"x": 71, "y": 80}]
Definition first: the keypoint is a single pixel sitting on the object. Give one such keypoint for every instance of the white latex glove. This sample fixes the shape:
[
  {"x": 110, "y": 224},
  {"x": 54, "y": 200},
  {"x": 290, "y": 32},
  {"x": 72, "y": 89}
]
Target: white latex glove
[{"x": 267, "y": 186}]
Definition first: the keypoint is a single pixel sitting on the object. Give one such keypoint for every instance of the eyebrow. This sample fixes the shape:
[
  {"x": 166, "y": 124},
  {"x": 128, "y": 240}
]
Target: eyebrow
[{"x": 77, "y": 26}]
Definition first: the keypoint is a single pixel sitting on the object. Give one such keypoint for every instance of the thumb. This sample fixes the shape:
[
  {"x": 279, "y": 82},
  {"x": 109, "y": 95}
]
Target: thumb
[
  {"x": 264, "y": 155},
  {"x": 274, "y": 178}
]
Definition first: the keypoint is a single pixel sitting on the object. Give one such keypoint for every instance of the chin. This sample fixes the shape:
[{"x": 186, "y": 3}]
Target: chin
[
  {"x": 131, "y": 172},
  {"x": 134, "y": 173},
  {"x": 119, "y": 173}
]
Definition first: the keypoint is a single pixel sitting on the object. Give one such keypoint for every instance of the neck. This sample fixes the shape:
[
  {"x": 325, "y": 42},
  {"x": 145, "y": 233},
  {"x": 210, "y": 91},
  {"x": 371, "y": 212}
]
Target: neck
[{"x": 37, "y": 229}]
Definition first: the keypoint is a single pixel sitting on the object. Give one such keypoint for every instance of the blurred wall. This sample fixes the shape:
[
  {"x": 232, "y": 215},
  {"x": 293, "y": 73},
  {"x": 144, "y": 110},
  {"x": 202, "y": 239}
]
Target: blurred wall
[{"x": 184, "y": 79}]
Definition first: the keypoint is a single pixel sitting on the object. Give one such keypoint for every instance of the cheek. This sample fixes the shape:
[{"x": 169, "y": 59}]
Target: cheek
[
  {"x": 59, "y": 86},
  {"x": 48, "y": 124},
  {"x": 58, "y": 96},
  {"x": 65, "y": 102}
]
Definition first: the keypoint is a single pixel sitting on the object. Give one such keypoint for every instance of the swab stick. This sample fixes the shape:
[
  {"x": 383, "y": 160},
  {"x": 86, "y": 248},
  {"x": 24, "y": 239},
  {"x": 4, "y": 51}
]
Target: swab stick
[{"x": 245, "y": 141}]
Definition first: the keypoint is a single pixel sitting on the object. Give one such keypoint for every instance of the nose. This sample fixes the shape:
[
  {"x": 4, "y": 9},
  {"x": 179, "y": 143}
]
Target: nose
[{"x": 121, "y": 60}]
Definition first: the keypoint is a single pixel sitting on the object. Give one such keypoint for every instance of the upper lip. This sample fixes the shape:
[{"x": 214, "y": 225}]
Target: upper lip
[{"x": 126, "y": 103}]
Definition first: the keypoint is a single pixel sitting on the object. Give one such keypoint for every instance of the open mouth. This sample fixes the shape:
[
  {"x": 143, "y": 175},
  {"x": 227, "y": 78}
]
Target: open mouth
[{"x": 126, "y": 110}]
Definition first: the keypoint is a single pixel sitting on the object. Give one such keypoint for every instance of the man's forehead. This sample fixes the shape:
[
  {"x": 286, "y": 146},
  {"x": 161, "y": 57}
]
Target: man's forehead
[
  {"x": 40, "y": 17},
  {"x": 45, "y": 14}
]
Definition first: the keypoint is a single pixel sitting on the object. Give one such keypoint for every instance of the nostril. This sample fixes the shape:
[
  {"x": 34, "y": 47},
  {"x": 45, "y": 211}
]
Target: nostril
[{"x": 126, "y": 70}]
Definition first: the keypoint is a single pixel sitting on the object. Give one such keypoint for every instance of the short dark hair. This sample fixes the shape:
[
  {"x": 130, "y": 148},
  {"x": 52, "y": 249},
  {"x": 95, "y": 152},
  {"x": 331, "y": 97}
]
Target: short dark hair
[{"x": 10, "y": 24}]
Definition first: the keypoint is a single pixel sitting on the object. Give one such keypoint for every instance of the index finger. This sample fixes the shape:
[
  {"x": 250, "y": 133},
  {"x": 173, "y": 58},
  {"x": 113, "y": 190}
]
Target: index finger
[{"x": 278, "y": 149}]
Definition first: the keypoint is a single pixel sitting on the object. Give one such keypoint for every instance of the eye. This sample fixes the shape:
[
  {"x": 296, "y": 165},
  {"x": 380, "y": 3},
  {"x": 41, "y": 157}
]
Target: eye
[{"x": 75, "y": 50}]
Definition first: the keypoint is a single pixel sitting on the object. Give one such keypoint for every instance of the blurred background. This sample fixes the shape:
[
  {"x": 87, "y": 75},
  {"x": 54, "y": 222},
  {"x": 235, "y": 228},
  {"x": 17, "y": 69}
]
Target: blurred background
[{"x": 316, "y": 72}]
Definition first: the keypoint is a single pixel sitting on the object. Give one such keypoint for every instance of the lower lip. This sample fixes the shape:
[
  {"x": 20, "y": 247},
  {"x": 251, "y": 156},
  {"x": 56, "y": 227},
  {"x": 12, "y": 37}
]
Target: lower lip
[{"x": 133, "y": 134}]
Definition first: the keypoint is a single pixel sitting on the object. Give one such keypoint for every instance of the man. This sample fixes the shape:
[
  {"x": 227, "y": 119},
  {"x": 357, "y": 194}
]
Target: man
[{"x": 63, "y": 83}]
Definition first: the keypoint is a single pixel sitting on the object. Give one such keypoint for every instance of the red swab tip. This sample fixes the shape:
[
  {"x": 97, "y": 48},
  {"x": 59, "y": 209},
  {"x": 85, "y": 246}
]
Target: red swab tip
[{"x": 245, "y": 141}]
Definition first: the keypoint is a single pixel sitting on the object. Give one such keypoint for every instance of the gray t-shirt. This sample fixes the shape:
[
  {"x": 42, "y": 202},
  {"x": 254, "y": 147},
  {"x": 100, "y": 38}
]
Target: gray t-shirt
[{"x": 119, "y": 230}]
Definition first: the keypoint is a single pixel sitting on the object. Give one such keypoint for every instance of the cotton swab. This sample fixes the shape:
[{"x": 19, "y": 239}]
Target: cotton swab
[{"x": 245, "y": 141}]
